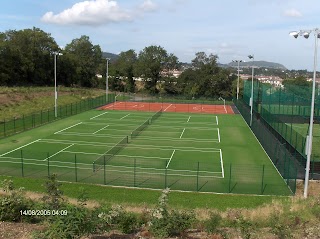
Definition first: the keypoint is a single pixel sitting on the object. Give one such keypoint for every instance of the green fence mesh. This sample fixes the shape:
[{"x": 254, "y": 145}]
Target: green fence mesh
[
  {"x": 286, "y": 111},
  {"x": 17, "y": 125},
  {"x": 136, "y": 172}
]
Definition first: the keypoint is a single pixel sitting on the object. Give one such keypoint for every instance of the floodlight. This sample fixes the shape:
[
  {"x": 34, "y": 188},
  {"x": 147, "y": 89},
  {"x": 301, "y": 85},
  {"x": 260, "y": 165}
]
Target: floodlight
[
  {"x": 306, "y": 35},
  {"x": 250, "y": 56},
  {"x": 295, "y": 34}
]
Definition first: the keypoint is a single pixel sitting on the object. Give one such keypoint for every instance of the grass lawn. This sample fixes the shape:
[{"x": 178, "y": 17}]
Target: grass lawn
[{"x": 143, "y": 197}]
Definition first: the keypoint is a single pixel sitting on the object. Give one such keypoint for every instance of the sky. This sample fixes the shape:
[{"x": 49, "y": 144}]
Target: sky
[{"x": 231, "y": 29}]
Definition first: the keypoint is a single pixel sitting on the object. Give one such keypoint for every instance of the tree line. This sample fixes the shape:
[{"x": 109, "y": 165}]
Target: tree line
[{"x": 27, "y": 59}]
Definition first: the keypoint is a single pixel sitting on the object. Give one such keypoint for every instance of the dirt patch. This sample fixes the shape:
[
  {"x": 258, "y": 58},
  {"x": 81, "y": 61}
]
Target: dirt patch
[{"x": 10, "y": 230}]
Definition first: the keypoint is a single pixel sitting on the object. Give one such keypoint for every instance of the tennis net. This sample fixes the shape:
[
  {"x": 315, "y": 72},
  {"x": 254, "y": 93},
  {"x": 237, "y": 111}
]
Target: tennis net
[
  {"x": 107, "y": 156},
  {"x": 156, "y": 115},
  {"x": 138, "y": 130}
]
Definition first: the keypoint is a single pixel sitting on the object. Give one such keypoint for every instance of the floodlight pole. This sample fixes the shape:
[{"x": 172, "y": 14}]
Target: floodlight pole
[
  {"x": 251, "y": 99},
  {"x": 107, "y": 78},
  {"x": 238, "y": 61},
  {"x": 55, "y": 82},
  {"x": 55, "y": 85},
  {"x": 309, "y": 136}
]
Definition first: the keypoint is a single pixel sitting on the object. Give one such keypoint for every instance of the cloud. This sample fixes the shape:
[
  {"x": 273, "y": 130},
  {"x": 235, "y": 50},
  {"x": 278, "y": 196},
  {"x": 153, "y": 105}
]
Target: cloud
[
  {"x": 292, "y": 13},
  {"x": 148, "y": 6},
  {"x": 96, "y": 12}
]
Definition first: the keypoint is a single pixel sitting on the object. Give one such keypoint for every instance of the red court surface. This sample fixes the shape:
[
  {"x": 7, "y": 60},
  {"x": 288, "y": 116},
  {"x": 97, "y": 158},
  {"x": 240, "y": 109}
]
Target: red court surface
[{"x": 169, "y": 107}]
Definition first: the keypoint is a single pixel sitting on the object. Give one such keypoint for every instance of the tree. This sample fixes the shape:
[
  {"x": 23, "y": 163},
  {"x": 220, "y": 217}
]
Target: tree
[
  {"x": 152, "y": 61},
  {"x": 124, "y": 67},
  {"x": 206, "y": 79},
  {"x": 84, "y": 60},
  {"x": 28, "y": 59}
]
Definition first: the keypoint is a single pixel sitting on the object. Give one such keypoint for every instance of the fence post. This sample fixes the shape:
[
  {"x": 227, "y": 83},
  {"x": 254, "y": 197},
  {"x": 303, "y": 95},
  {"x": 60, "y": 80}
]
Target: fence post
[
  {"x": 104, "y": 170},
  {"x": 22, "y": 168},
  {"x": 134, "y": 172},
  {"x": 4, "y": 127},
  {"x": 198, "y": 176},
  {"x": 24, "y": 124},
  {"x": 230, "y": 173},
  {"x": 75, "y": 167},
  {"x": 14, "y": 124},
  {"x": 262, "y": 181},
  {"x": 48, "y": 159},
  {"x": 165, "y": 174}
]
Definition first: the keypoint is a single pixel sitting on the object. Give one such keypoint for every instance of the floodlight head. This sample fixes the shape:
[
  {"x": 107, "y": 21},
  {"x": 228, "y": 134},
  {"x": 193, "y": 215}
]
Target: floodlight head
[
  {"x": 306, "y": 35},
  {"x": 295, "y": 34},
  {"x": 251, "y": 56}
]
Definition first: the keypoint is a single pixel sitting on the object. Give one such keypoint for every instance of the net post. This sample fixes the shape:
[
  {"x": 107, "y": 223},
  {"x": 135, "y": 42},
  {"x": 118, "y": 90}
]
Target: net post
[
  {"x": 262, "y": 180},
  {"x": 48, "y": 161},
  {"x": 75, "y": 167},
  {"x": 230, "y": 173},
  {"x": 134, "y": 172},
  {"x": 93, "y": 167},
  {"x": 198, "y": 176},
  {"x": 22, "y": 166},
  {"x": 104, "y": 170}
]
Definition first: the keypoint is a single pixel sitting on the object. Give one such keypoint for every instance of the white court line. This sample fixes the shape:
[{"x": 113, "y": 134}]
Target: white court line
[
  {"x": 170, "y": 158},
  {"x": 124, "y": 116},
  {"x": 167, "y": 107},
  {"x": 58, "y": 152},
  {"x": 189, "y": 119},
  {"x": 112, "y": 105},
  {"x": 100, "y": 129},
  {"x": 99, "y": 115},
  {"x": 67, "y": 128},
  {"x": 221, "y": 163},
  {"x": 219, "y": 135},
  {"x": 182, "y": 132},
  {"x": 217, "y": 120},
  {"x": 19, "y": 147}
]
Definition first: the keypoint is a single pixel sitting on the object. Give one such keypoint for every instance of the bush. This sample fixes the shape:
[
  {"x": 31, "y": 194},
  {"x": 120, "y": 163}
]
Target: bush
[
  {"x": 212, "y": 224},
  {"x": 79, "y": 221},
  {"x": 163, "y": 223},
  {"x": 179, "y": 222},
  {"x": 116, "y": 217},
  {"x": 14, "y": 206}
]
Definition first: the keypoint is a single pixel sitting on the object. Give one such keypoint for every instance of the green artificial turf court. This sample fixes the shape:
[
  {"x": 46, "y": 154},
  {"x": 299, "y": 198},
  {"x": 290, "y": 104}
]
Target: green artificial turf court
[{"x": 182, "y": 151}]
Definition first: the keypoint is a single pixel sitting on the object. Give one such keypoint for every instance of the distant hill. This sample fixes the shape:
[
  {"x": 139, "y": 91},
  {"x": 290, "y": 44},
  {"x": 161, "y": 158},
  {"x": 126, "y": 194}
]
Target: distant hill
[
  {"x": 261, "y": 64},
  {"x": 111, "y": 56}
]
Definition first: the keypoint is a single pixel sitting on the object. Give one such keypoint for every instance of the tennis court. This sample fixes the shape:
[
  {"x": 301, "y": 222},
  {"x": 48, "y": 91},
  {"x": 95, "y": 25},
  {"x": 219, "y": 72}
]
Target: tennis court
[{"x": 189, "y": 152}]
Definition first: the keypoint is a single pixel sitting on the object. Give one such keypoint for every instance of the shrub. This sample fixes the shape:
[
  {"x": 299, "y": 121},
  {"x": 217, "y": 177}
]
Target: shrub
[
  {"x": 179, "y": 222},
  {"x": 212, "y": 224},
  {"x": 14, "y": 206},
  {"x": 53, "y": 199}
]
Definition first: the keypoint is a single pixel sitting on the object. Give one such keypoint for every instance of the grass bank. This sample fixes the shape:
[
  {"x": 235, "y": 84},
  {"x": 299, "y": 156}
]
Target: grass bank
[{"x": 18, "y": 101}]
